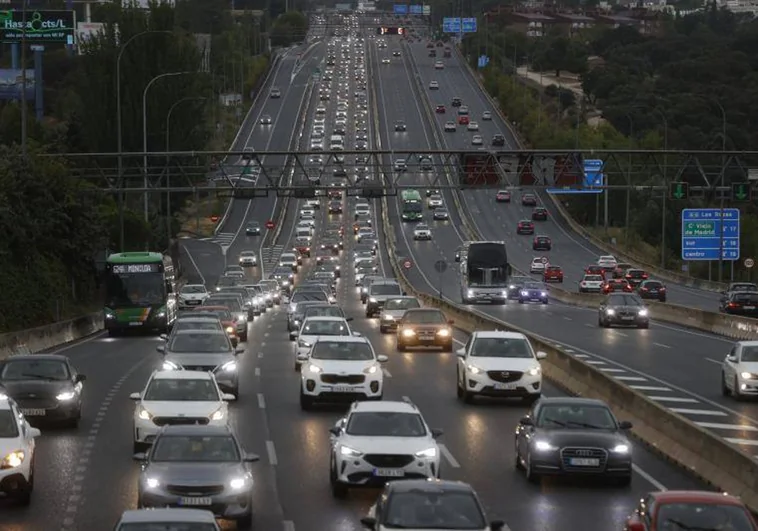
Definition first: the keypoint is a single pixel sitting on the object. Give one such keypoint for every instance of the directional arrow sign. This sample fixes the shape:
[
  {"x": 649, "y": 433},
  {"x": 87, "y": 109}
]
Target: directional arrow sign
[
  {"x": 741, "y": 191},
  {"x": 679, "y": 190}
]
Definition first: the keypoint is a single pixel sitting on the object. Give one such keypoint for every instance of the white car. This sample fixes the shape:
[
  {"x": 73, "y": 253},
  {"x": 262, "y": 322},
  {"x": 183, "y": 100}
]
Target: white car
[
  {"x": 382, "y": 441},
  {"x": 320, "y": 110},
  {"x": 313, "y": 329},
  {"x": 434, "y": 201},
  {"x": 422, "y": 232},
  {"x": 433, "y": 85},
  {"x": 167, "y": 519},
  {"x": 307, "y": 212},
  {"x": 450, "y": 127},
  {"x": 17, "y": 447},
  {"x": 288, "y": 260},
  {"x": 477, "y": 140},
  {"x": 499, "y": 364},
  {"x": 591, "y": 284},
  {"x": 401, "y": 165},
  {"x": 487, "y": 115},
  {"x": 338, "y": 369},
  {"x": 739, "y": 372},
  {"x": 386, "y": 61},
  {"x": 266, "y": 120},
  {"x": 473, "y": 126},
  {"x": 248, "y": 259},
  {"x": 607, "y": 262},
  {"x": 313, "y": 204},
  {"x": 539, "y": 263},
  {"x": 177, "y": 397},
  {"x": 439, "y": 65},
  {"x": 362, "y": 209},
  {"x": 393, "y": 311},
  {"x": 364, "y": 257},
  {"x": 192, "y": 295},
  {"x": 317, "y": 145},
  {"x": 306, "y": 222}
]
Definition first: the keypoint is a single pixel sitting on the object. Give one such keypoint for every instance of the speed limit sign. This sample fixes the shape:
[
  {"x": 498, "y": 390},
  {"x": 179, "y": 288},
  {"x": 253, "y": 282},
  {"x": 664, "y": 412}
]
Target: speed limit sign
[
  {"x": 544, "y": 259},
  {"x": 749, "y": 262}
]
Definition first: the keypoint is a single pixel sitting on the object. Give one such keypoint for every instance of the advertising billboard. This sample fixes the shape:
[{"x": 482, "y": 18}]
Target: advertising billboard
[
  {"x": 42, "y": 26},
  {"x": 11, "y": 84}
]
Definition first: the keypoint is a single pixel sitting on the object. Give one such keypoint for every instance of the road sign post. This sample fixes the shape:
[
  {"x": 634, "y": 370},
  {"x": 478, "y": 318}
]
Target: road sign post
[
  {"x": 749, "y": 263},
  {"x": 440, "y": 266},
  {"x": 704, "y": 233}
]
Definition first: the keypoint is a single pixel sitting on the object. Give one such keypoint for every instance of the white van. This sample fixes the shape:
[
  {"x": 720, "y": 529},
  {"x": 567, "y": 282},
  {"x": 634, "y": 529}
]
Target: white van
[{"x": 336, "y": 143}]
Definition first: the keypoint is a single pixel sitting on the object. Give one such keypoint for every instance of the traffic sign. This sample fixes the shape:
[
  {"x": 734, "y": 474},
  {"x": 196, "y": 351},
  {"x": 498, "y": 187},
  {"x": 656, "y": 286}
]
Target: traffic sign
[
  {"x": 749, "y": 262},
  {"x": 469, "y": 25},
  {"x": 482, "y": 61},
  {"x": 427, "y": 9},
  {"x": 270, "y": 224},
  {"x": 407, "y": 264},
  {"x": 214, "y": 218},
  {"x": 440, "y": 266},
  {"x": 417, "y": 9},
  {"x": 706, "y": 230},
  {"x": 453, "y": 25},
  {"x": 544, "y": 260},
  {"x": 679, "y": 191},
  {"x": 741, "y": 191},
  {"x": 593, "y": 179},
  {"x": 400, "y": 9}
]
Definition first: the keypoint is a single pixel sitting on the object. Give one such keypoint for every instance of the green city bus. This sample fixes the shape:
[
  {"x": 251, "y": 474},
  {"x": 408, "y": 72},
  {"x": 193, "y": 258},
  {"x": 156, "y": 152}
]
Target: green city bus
[
  {"x": 413, "y": 207},
  {"x": 139, "y": 292}
]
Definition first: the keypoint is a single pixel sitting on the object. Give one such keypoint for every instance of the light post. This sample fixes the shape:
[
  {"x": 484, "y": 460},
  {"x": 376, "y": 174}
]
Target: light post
[
  {"x": 665, "y": 181},
  {"x": 628, "y": 180},
  {"x": 144, "y": 131},
  {"x": 721, "y": 204}
]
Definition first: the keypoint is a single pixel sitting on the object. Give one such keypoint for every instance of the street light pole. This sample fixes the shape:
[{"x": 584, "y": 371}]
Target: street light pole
[
  {"x": 24, "y": 110},
  {"x": 721, "y": 203},
  {"x": 665, "y": 180}
]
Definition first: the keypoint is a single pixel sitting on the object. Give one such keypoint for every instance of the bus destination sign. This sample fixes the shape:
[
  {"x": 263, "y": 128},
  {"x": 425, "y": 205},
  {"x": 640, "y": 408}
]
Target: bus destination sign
[{"x": 120, "y": 269}]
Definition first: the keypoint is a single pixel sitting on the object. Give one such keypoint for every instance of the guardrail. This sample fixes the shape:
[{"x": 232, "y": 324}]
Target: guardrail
[
  {"x": 33, "y": 340},
  {"x": 700, "y": 452}
]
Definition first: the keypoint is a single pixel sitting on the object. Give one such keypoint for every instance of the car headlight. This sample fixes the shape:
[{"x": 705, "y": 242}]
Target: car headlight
[
  {"x": 387, "y": 318},
  {"x": 620, "y": 449},
  {"x": 170, "y": 366},
  {"x": 408, "y": 332},
  {"x": 229, "y": 366},
  {"x": 161, "y": 314},
  {"x": 297, "y": 322},
  {"x": 371, "y": 370},
  {"x": 443, "y": 332},
  {"x": 303, "y": 344},
  {"x": 610, "y": 311},
  {"x": 429, "y": 452},
  {"x": 746, "y": 375},
  {"x": 474, "y": 369},
  {"x": 372, "y": 299},
  {"x": 229, "y": 330},
  {"x": 238, "y": 483},
  {"x": 643, "y": 313},
  {"x": 144, "y": 414},
  {"x": 314, "y": 369},
  {"x": 511, "y": 287},
  {"x": 524, "y": 293},
  {"x": 281, "y": 264},
  {"x": 285, "y": 283},
  {"x": 218, "y": 414},
  {"x": 543, "y": 294},
  {"x": 13, "y": 460},
  {"x": 349, "y": 452},
  {"x": 109, "y": 315},
  {"x": 364, "y": 290},
  {"x": 242, "y": 317},
  {"x": 504, "y": 294},
  {"x": 534, "y": 371},
  {"x": 152, "y": 483},
  {"x": 543, "y": 446},
  {"x": 66, "y": 396}
]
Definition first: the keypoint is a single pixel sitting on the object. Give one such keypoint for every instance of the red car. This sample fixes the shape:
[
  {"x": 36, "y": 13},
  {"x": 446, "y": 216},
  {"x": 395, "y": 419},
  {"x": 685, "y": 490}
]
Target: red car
[
  {"x": 690, "y": 509},
  {"x": 617, "y": 284},
  {"x": 636, "y": 276},
  {"x": 594, "y": 270},
  {"x": 503, "y": 196},
  {"x": 525, "y": 226},
  {"x": 463, "y": 120},
  {"x": 440, "y": 109},
  {"x": 553, "y": 273},
  {"x": 302, "y": 250}
]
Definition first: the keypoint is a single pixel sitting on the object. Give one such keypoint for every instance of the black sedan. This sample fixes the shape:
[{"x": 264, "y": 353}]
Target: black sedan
[
  {"x": 542, "y": 243},
  {"x": 539, "y": 214},
  {"x": 652, "y": 289},
  {"x": 573, "y": 436},
  {"x": 253, "y": 229},
  {"x": 533, "y": 292},
  {"x": 624, "y": 309},
  {"x": 46, "y": 387}
]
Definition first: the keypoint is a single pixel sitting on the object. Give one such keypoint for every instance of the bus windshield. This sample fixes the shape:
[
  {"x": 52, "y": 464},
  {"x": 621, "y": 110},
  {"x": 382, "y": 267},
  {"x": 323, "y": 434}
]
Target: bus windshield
[
  {"x": 412, "y": 206},
  {"x": 134, "y": 289}
]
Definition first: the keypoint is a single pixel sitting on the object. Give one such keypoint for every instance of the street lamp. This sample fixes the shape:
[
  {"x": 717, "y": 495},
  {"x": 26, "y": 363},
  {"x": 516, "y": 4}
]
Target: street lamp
[
  {"x": 721, "y": 204},
  {"x": 144, "y": 129}
]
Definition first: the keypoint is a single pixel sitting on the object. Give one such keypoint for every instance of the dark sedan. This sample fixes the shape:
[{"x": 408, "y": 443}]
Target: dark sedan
[
  {"x": 623, "y": 309},
  {"x": 744, "y": 303},
  {"x": 539, "y": 214},
  {"x": 573, "y": 436},
  {"x": 253, "y": 228},
  {"x": 46, "y": 387},
  {"x": 533, "y": 292},
  {"x": 525, "y": 226}
]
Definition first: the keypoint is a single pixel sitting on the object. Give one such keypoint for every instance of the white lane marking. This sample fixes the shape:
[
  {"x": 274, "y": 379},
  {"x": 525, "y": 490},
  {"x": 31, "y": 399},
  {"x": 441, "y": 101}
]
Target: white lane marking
[
  {"x": 448, "y": 456},
  {"x": 650, "y": 479},
  {"x": 674, "y": 399},
  {"x": 271, "y": 450},
  {"x": 649, "y": 388},
  {"x": 194, "y": 264},
  {"x": 257, "y": 371},
  {"x": 714, "y": 361},
  {"x": 704, "y": 412},
  {"x": 631, "y": 379},
  {"x": 595, "y": 362},
  {"x": 719, "y": 426},
  {"x": 261, "y": 401},
  {"x": 583, "y": 356},
  {"x": 567, "y": 318},
  {"x": 620, "y": 333},
  {"x": 260, "y": 355},
  {"x": 661, "y": 345},
  {"x": 744, "y": 442},
  {"x": 607, "y": 369},
  {"x": 289, "y": 525},
  {"x": 386, "y": 373}
]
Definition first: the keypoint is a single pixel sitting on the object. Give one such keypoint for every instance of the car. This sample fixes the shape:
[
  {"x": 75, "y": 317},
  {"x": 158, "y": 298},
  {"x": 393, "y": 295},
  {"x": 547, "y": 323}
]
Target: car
[
  {"x": 266, "y": 120},
  {"x": 608, "y": 262},
  {"x": 515, "y": 285},
  {"x": 436, "y": 496},
  {"x": 366, "y": 235},
  {"x": 432, "y": 53},
  {"x": 335, "y": 207},
  {"x": 498, "y": 140},
  {"x": 744, "y": 303},
  {"x": 422, "y": 232},
  {"x": 253, "y": 228},
  {"x": 434, "y": 201},
  {"x": 472, "y": 126},
  {"x": 17, "y": 446},
  {"x": 271, "y": 292},
  {"x": 330, "y": 245},
  {"x": 652, "y": 289},
  {"x": 503, "y": 196},
  {"x": 450, "y": 127},
  {"x": 197, "y": 320},
  {"x": 222, "y": 313},
  {"x": 615, "y": 285},
  {"x": 248, "y": 259},
  {"x": 288, "y": 260},
  {"x": 195, "y": 519},
  {"x": 385, "y": 60},
  {"x": 595, "y": 269},
  {"x": 364, "y": 269},
  {"x": 427, "y": 327},
  {"x": 377, "y": 442},
  {"x": 191, "y": 296},
  {"x": 538, "y": 265},
  {"x": 234, "y": 269},
  {"x": 378, "y": 293},
  {"x": 393, "y": 310},
  {"x": 275, "y": 93},
  {"x": 400, "y": 126},
  {"x": 187, "y": 465},
  {"x": 529, "y": 200},
  {"x": 440, "y": 109},
  {"x": 177, "y": 397},
  {"x": 690, "y": 510},
  {"x": 553, "y": 273},
  {"x": 338, "y": 369},
  {"x": 284, "y": 276},
  {"x": 623, "y": 309},
  {"x": 433, "y": 85},
  {"x": 476, "y": 140},
  {"x": 573, "y": 436},
  {"x": 487, "y": 116},
  {"x": 525, "y": 226},
  {"x": 315, "y": 328},
  {"x": 539, "y": 214},
  {"x": 463, "y": 110},
  {"x": 635, "y": 277},
  {"x": 463, "y": 120},
  {"x": 738, "y": 370},
  {"x": 46, "y": 388},
  {"x": 457, "y": 102},
  {"x": 533, "y": 291},
  {"x": 591, "y": 283},
  {"x": 499, "y": 364},
  {"x": 542, "y": 243},
  {"x": 621, "y": 268},
  {"x": 439, "y": 65},
  {"x": 440, "y": 214},
  {"x": 396, "y": 53},
  {"x": 203, "y": 350},
  {"x": 400, "y": 165}
]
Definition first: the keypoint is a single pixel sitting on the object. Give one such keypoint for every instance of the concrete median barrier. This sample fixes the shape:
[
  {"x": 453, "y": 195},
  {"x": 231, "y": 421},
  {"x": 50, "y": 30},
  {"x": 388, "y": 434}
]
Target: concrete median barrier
[{"x": 34, "y": 340}]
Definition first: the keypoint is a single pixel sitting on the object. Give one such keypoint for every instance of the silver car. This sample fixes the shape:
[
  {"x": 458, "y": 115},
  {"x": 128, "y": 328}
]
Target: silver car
[
  {"x": 195, "y": 519},
  {"x": 204, "y": 350},
  {"x": 393, "y": 311},
  {"x": 194, "y": 466}
]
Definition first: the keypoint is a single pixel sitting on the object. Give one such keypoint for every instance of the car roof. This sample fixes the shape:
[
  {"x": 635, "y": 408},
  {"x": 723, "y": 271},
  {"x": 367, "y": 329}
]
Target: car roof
[
  {"x": 385, "y": 282},
  {"x": 193, "y": 286},
  {"x": 196, "y": 430},
  {"x": 426, "y": 310},
  {"x": 167, "y": 515},
  {"x": 571, "y": 401},
  {"x": 46, "y": 357},
  {"x": 181, "y": 375},
  {"x": 200, "y": 331},
  {"x": 325, "y": 318},
  {"x": 497, "y": 333},
  {"x": 198, "y": 318},
  {"x": 211, "y": 308},
  {"x": 429, "y": 485},
  {"x": 345, "y": 339},
  {"x": 673, "y": 496},
  {"x": 399, "y": 406}
]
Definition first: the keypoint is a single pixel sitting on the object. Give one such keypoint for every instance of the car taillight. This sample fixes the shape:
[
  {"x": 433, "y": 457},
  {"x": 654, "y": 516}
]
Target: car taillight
[
  {"x": 662, "y": 289},
  {"x": 644, "y": 275},
  {"x": 643, "y": 289},
  {"x": 732, "y": 305}
]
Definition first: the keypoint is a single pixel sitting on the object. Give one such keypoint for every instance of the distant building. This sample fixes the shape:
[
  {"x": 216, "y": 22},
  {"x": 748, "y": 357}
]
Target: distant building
[
  {"x": 573, "y": 24},
  {"x": 530, "y": 24}
]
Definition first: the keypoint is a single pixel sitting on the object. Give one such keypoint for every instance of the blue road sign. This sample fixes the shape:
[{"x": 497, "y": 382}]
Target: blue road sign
[
  {"x": 417, "y": 9},
  {"x": 469, "y": 25},
  {"x": 705, "y": 231},
  {"x": 482, "y": 61},
  {"x": 593, "y": 178},
  {"x": 400, "y": 9},
  {"x": 451, "y": 25}
]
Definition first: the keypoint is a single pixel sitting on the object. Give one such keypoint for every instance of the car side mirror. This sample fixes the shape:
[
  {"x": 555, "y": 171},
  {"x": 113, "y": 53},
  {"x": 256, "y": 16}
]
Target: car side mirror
[
  {"x": 461, "y": 352},
  {"x": 164, "y": 337},
  {"x": 335, "y": 430},
  {"x": 436, "y": 432},
  {"x": 239, "y": 350},
  {"x": 731, "y": 358},
  {"x": 349, "y": 320},
  {"x": 368, "y": 522},
  {"x": 135, "y": 396},
  {"x": 226, "y": 397},
  {"x": 251, "y": 458},
  {"x": 141, "y": 456},
  {"x": 357, "y": 334},
  {"x": 381, "y": 358},
  {"x": 451, "y": 322},
  {"x": 497, "y": 525},
  {"x": 625, "y": 425},
  {"x": 405, "y": 293},
  {"x": 161, "y": 349},
  {"x": 541, "y": 355},
  {"x": 526, "y": 421},
  {"x": 80, "y": 378},
  {"x": 302, "y": 357},
  {"x": 293, "y": 335},
  {"x": 33, "y": 432}
]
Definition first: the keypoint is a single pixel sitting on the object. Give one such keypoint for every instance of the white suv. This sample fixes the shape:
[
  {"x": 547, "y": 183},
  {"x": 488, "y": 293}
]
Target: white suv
[
  {"x": 338, "y": 369},
  {"x": 192, "y": 295},
  {"x": 16, "y": 452},
  {"x": 380, "y": 441},
  {"x": 316, "y": 327},
  {"x": 177, "y": 397},
  {"x": 499, "y": 364}
]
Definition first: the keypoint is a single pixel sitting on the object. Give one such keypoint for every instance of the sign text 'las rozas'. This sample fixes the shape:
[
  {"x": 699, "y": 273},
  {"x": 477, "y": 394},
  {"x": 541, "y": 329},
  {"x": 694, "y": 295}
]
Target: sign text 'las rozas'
[{"x": 42, "y": 26}]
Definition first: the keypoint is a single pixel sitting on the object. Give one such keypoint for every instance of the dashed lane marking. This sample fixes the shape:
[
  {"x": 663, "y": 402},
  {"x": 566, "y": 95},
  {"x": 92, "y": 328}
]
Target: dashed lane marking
[
  {"x": 386, "y": 373},
  {"x": 674, "y": 399},
  {"x": 631, "y": 378},
  {"x": 704, "y": 412},
  {"x": 714, "y": 361},
  {"x": 661, "y": 345},
  {"x": 719, "y": 426},
  {"x": 743, "y": 442},
  {"x": 261, "y": 401},
  {"x": 271, "y": 450},
  {"x": 595, "y": 362},
  {"x": 448, "y": 456},
  {"x": 257, "y": 371},
  {"x": 649, "y": 388},
  {"x": 609, "y": 369},
  {"x": 289, "y": 525}
]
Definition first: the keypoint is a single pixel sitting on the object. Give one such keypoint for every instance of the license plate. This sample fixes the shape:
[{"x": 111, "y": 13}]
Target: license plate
[
  {"x": 389, "y": 472},
  {"x": 583, "y": 461},
  {"x": 505, "y": 386},
  {"x": 135, "y": 323},
  {"x": 34, "y": 412},
  {"x": 193, "y": 302},
  {"x": 426, "y": 338},
  {"x": 628, "y": 318},
  {"x": 342, "y": 389},
  {"x": 750, "y": 307},
  {"x": 195, "y": 501}
]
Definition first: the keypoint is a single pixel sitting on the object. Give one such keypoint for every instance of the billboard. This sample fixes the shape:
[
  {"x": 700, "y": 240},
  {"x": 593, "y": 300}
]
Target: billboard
[
  {"x": 42, "y": 26},
  {"x": 11, "y": 84},
  {"x": 344, "y": 7},
  {"x": 85, "y": 31}
]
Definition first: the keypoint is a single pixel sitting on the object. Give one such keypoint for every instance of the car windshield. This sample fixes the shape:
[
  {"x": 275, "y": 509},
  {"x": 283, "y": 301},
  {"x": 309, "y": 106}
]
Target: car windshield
[
  {"x": 385, "y": 424},
  {"x": 344, "y": 351},
  {"x": 501, "y": 347},
  {"x": 635, "y": 273},
  {"x": 247, "y": 253},
  {"x": 167, "y": 526},
  {"x": 223, "y": 315},
  {"x": 228, "y": 281},
  {"x": 624, "y": 300},
  {"x": 135, "y": 289},
  {"x": 324, "y": 311},
  {"x": 425, "y": 317},
  {"x": 432, "y": 509},
  {"x": 181, "y": 389},
  {"x": 325, "y": 328},
  {"x": 303, "y": 296},
  {"x": 197, "y": 449},
  {"x": 744, "y": 287},
  {"x": 401, "y": 304},
  {"x": 534, "y": 285},
  {"x": 192, "y": 324},
  {"x": 233, "y": 304},
  {"x": 201, "y": 343},
  {"x": 193, "y": 289},
  {"x": 8, "y": 426},
  {"x": 654, "y": 284},
  {"x": 579, "y": 416},
  {"x": 593, "y": 278},
  {"x": 687, "y": 516},
  {"x": 385, "y": 289},
  {"x": 31, "y": 369}
]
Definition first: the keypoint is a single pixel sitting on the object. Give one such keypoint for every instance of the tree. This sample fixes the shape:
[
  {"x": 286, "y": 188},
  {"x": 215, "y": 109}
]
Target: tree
[{"x": 289, "y": 28}]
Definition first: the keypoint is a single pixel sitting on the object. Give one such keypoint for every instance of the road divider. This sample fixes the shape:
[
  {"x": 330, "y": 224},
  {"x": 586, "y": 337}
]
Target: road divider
[
  {"x": 41, "y": 338},
  {"x": 702, "y": 453}
]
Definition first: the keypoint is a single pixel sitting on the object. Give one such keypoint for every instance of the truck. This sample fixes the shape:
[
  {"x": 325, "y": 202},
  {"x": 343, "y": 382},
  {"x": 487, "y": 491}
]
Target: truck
[{"x": 484, "y": 272}]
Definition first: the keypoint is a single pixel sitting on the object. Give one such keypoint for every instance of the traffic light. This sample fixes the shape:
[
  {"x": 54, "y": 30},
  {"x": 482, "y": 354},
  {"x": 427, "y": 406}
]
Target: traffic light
[
  {"x": 741, "y": 191},
  {"x": 679, "y": 191}
]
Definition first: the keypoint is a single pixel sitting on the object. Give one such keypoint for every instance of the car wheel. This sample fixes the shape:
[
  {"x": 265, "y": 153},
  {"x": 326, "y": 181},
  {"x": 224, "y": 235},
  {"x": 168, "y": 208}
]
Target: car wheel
[
  {"x": 736, "y": 390},
  {"x": 517, "y": 461},
  {"x": 306, "y": 402},
  {"x": 724, "y": 388},
  {"x": 458, "y": 386},
  {"x": 339, "y": 490},
  {"x": 531, "y": 475},
  {"x": 400, "y": 347},
  {"x": 246, "y": 522}
]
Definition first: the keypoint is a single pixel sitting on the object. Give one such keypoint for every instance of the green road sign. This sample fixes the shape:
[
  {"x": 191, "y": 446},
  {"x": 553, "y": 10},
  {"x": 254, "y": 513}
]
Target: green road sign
[
  {"x": 679, "y": 190},
  {"x": 700, "y": 228},
  {"x": 741, "y": 191}
]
